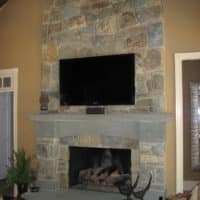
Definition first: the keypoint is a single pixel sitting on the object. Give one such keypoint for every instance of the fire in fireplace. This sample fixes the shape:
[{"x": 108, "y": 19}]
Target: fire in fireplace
[{"x": 98, "y": 168}]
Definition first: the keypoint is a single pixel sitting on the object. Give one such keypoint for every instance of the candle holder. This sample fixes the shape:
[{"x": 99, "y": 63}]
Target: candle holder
[{"x": 44, "y": 100}]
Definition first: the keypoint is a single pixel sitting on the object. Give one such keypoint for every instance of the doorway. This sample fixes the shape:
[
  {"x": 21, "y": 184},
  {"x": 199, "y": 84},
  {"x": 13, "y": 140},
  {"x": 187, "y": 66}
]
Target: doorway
[
  {"x": 191, "y": 142},
  {"x": 180, "y": 59},
  {"x": 8, "y": 117}
]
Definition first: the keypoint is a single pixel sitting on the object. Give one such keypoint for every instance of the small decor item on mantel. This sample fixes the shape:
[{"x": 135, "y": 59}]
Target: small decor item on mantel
[{"x": 44, "y": 100}]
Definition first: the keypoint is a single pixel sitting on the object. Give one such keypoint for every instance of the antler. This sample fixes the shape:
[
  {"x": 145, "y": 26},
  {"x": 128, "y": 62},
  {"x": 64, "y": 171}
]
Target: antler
[
  {"x": 124, "y": 185},
  {"x": 140, "y": 194},
  {"x": 136, "y": 182}
]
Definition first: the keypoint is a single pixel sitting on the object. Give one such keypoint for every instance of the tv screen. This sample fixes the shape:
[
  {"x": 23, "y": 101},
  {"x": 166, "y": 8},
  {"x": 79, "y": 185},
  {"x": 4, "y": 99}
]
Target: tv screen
[{"x": 101, "y": 80}]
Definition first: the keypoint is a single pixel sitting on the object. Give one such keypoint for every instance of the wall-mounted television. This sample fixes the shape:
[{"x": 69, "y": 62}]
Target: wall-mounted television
[{"x": 100, "y": 80}]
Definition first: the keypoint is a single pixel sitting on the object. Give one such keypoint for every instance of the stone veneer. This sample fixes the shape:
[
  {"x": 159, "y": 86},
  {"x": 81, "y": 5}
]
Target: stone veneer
[
  {"x": 80, "y": 28},
  {"x": 142, "y": 133}
]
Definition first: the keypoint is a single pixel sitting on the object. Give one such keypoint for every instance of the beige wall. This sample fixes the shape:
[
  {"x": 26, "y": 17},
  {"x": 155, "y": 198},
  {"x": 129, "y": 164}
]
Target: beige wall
[
  {"x": 182, "y": 31},
  {"x": 20, "y": 30}
]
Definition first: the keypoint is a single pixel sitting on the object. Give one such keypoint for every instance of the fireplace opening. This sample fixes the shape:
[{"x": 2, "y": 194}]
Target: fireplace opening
[{"x": 98, "y": 168}]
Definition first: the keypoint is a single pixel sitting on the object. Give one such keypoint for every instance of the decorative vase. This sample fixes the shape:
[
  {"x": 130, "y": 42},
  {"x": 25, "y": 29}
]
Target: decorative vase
[{"x": 44, "y": 100}]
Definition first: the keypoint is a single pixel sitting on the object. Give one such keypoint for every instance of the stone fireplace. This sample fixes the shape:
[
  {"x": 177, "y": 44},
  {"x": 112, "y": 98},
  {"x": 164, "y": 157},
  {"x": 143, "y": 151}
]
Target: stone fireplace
[
  {"x": 142, "y": 134},
  {"x": 85, "y": 28}
]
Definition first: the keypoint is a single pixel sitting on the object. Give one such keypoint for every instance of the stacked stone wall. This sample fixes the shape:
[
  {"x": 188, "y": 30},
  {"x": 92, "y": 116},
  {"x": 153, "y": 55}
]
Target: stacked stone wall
[
  {"x": 82, "y": 28},
  {"x": 53, "y": 160}
]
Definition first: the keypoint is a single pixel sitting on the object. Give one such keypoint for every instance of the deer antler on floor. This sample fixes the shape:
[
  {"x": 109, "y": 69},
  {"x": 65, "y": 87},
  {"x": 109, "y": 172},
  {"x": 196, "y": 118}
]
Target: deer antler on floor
[
  {"x": 140, "y": 194},
  {"x": 126, "y": 188},
  {"x": 136, "y": 182},
  {"x": 124, "y": 185}
]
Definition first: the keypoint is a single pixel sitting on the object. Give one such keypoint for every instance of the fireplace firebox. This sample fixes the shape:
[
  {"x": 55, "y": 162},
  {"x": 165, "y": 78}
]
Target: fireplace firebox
[{"x": 98, "y": 168}]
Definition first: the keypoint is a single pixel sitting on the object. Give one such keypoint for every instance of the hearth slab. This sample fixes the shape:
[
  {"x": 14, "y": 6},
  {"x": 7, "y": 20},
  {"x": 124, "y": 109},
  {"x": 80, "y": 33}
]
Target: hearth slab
[{"x": 73, "y": 194}]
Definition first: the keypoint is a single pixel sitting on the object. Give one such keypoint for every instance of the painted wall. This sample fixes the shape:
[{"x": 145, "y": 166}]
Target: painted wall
[
  {"x": 182, "y": 30},
  {"x": 20, "y": 30}
]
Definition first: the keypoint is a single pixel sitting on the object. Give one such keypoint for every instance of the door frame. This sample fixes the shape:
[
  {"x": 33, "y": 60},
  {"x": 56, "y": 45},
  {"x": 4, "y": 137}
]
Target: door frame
[
  {"x": 13, "y": 74},
  {"x": 179, "y": 58}
]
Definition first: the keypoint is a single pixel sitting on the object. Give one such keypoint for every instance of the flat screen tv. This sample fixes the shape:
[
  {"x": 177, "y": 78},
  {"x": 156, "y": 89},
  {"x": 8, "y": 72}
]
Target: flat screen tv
[{"x": 100, "y": 80}]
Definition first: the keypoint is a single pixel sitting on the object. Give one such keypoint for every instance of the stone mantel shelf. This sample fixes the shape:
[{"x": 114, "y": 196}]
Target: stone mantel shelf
[{"x": 128, "y": 117}]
